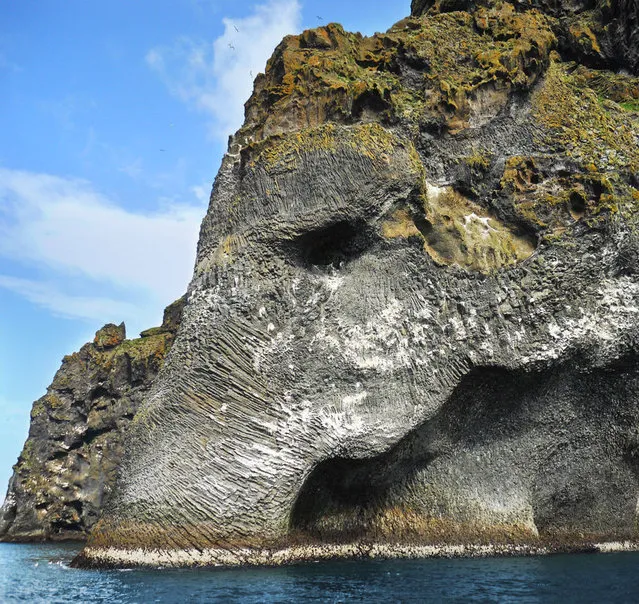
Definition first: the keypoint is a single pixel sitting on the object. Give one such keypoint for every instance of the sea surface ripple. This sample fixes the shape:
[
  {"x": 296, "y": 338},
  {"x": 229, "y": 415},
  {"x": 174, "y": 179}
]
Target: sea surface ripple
[{"x": 40, "y": 573}]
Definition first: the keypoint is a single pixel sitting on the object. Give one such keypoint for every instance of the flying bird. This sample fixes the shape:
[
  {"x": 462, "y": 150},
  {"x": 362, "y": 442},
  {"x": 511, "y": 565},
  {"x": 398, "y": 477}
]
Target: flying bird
[
  {"x": 236, "y": 29},
  {"x": 320, "y": 18},
  {"x": 231, "y": 46}
]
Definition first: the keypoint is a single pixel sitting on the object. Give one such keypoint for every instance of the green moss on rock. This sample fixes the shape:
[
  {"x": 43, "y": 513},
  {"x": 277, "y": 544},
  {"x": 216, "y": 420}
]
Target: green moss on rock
[
  {"x": 327, "y": 75},
  {"x": 283, "y": 152},
  {"x": 70, "y": 459}
]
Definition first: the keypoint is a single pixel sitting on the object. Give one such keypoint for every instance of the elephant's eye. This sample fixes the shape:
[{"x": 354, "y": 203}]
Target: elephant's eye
[{"x": 334, "y": 245}]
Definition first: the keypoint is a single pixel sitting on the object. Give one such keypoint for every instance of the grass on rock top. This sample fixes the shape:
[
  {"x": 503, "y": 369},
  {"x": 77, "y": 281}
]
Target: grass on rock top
[
  {"x": 432, "y": 70},
  {"x": 328, "y": 75}
]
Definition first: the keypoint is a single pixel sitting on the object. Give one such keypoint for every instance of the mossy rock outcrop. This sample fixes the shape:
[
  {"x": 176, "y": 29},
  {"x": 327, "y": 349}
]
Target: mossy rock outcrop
[
  {"x": 603, "y": 33},
  {"x": 69, "y": 462}
]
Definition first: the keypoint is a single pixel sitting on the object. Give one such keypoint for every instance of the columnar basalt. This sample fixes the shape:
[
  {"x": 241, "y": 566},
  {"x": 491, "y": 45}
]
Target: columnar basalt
[
  {"x": 70, "y": 459},
  {"x": 414, "y": 310}
]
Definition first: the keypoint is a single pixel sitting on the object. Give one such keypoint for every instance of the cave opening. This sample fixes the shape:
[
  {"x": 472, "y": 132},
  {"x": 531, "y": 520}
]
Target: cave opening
[
  {"x": 333, "y": 245},
  {"x": 548, "y": 431},
  {"x": 369, "y": 102},
  {"x": 577, "y": 205},
  {"x": 337, "y": 500}
]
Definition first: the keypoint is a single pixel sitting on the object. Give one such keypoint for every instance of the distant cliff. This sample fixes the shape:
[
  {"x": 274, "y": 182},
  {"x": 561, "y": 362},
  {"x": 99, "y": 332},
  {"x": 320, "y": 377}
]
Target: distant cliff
[{"x": 70, "y": 459}]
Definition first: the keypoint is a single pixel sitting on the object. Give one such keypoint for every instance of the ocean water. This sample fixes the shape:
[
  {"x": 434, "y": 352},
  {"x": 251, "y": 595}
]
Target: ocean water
[{"x": 40, "y": 573}]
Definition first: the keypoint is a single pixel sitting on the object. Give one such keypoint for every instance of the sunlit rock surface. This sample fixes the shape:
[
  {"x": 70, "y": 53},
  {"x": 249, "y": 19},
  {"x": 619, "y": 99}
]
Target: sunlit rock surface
[
  {"x": 414, "y": 310},
  {"x": 69, "y": 462}
]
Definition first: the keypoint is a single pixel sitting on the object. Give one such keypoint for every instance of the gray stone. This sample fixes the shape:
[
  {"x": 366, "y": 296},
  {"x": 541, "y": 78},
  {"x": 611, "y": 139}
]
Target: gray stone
[{"x": 382, "y": 347}]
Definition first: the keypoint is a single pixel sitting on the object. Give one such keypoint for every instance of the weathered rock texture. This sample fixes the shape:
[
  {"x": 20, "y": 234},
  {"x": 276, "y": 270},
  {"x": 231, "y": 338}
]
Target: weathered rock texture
[
  {"x": 69, "y": 462},
  {"x": 603, "y": 33},
  {"x": 413, "y": 318}
]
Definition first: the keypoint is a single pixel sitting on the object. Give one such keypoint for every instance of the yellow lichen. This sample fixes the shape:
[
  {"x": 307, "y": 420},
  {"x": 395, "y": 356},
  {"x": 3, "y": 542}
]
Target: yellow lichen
[
  {"x": 580, "y": 117},
  {"x": 550, "y": 203},
  {"x": 53, "y": 401},
  {"x": 617, "y": 87},
  {"x": 584, "y": 38},
  {"x": 520, "y": 174},
  {"x": 400, "y": 225},
  {"x": 592, "y": 132},
  {"x": 457, "y": 231},
  {"x": 328, "y": 75},
  {"x": 283, "y": 152},
  {"x": 479, "y": 159},
  {"x": 463, "y": 233}
]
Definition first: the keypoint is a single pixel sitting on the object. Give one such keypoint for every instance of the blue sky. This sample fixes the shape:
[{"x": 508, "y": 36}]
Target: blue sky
[{"x": 114, "y": 118}]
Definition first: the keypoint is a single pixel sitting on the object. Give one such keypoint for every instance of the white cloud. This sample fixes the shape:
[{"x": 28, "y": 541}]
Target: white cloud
[
  {"x": 202, "y": 193},
  {"x": 47, "y": 295},
  {"x": 217, "y": 77},
  {"x": 133, "y": 168},
  {"x": 75, "y": 234}
]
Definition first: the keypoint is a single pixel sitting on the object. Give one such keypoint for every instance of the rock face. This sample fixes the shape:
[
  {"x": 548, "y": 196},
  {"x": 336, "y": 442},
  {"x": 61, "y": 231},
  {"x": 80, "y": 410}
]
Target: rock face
[
  {"x": 413, "y": 318},
  {"x": 601, "y": 33},
  {"x": 70, "y": 459}
]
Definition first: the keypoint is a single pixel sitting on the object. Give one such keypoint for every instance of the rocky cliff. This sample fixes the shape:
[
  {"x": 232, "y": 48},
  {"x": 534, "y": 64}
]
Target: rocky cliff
[
  {"x": 70, "y": 459},
  {"x": 413, "y": 318},
  {"x": 600, "y": 33}
]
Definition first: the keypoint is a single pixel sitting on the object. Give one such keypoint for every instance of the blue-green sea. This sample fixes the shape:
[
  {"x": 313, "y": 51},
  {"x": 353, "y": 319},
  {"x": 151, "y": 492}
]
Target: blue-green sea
[{"x": 40, "y": 573}]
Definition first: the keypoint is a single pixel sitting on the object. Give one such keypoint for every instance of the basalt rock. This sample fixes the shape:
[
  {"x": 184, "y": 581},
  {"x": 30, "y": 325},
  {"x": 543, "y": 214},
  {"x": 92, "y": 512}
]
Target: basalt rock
[
  {"x": 599, "y": 32},
  {"x": 413, "y": 318},
  {"x": 70, "y": 459}
]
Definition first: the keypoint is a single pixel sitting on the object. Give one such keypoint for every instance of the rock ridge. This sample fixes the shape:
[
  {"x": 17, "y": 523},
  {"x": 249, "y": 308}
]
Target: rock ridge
[{"x": 68, "y": 464}]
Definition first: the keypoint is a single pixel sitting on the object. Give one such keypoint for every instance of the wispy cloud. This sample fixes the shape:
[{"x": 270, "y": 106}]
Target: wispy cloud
[
  {"x": 47, "y": 295},
  {"x": 67, "y": 111},
  {"x": 132, "y": 168},
  {"x": 202, "y": 193},
  {"x": 217, "y": 77},
  {"x": 75, "y": 234}
]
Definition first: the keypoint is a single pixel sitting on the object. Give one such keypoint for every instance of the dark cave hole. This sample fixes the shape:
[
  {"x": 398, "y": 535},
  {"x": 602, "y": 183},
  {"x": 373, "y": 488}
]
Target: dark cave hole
[
  {"x": 98, "y": 392},
  {"x": 354, "y": 490},
  {"x": 61, "y": 454},
  {"x": 411, "y": 59},
  {"x": 598, "y": 189},
  {"x": 372, "y": 101},
  {"x": 577, "y": 204},
  {"x": 92, "y": 434},
  {"x": 346, "y": 487},
  {"x": 332, "y": 246},
  {"x": 424, "y": 226},
  {"x": 67, "y": 522}
]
